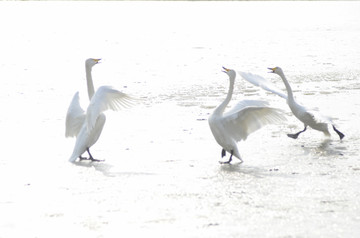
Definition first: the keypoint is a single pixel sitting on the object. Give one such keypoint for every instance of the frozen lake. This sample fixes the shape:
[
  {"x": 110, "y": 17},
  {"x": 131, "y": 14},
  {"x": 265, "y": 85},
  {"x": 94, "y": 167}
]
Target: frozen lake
[{"x": 161, "y": 176}]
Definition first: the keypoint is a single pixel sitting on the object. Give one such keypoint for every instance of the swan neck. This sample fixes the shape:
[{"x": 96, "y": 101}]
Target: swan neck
[
  {"x": 288, "y": 87},
  {"x": 221, "y": 108},
  {"x": 89, "y": 81}
]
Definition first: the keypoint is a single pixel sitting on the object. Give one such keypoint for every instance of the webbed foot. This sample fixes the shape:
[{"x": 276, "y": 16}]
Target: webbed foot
[
  {"x": 230, "y": 159},
  {"x": 294, "y": 136}
]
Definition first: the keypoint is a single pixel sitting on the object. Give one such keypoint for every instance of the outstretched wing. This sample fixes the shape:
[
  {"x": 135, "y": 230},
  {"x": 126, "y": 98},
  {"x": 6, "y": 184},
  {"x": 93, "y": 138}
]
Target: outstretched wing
[
  {"x": 242, "y": 123},
  {"x": 75, "y": 117},
  {"x": 259, "y": 81},
  {"x": 104, "y": 99},
  {"x": 246, "y": 103}
]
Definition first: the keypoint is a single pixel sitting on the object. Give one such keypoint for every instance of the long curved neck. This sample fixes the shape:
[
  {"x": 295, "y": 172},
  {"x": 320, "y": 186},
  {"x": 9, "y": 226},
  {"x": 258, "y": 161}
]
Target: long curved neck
[
  {"x": 288, "y": 88},
  {"x": 89, "y": 81},
  {"x": 220, "y": 109}
]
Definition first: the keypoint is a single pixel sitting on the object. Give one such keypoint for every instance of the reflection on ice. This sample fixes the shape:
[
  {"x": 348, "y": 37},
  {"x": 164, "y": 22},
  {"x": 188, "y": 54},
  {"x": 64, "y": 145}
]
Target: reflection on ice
[
  {"x": 110, "y": 170},
  {"x": 239, "y": 170}
]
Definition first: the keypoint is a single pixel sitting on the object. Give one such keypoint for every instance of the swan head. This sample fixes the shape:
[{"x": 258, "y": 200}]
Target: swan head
[
  {"x": 230, "y": 72},
  {"x": 91, "y": 62},
  {"x": 276, "y": 70}
]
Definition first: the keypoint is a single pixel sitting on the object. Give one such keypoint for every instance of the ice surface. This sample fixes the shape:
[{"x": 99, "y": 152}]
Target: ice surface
[{"x": 161, "y": 176}]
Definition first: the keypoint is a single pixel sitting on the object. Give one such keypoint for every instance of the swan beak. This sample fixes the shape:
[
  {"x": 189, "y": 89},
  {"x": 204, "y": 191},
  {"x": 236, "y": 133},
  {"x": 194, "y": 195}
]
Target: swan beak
[
  {"x": 97, "y": 60},
  {"x": 272, "y": 70},
  {"x": 225, "y": 69}
]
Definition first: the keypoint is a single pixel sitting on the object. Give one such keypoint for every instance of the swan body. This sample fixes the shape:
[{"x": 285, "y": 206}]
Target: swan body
[
  {"x": 238, "y": 123},
  {"x": 86, "y": 138},
  {"x": 87, "y": 126},
  {"x": 307, "y": 116}
]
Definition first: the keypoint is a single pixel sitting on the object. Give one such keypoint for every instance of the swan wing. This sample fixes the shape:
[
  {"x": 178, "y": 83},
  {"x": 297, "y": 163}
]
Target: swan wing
[
  {"x": 106, "y": 98},
  {"x": 246, "y": 103},
  {"x": 75, "y": 117},
  {"x": 242, "y": 123},
  {"x": 261, "y": 82}
]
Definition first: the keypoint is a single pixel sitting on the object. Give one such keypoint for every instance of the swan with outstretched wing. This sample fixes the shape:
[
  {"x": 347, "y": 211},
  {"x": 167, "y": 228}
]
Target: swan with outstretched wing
[
  {"x": 238, "y": 123},
  {"x": 87, "y": 126},
  {"x": 309, "y": 117}
]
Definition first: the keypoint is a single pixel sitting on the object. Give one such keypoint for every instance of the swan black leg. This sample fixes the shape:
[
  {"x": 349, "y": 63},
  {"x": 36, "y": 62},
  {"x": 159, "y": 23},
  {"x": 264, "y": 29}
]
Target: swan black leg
[
  {"x": 90, "y": 157},
  {"x": 295, "y": 136},
  {"x": 230, "y": 159},
  {"x": 223, "y": 153},
  {"x": 341, "y": 135}
]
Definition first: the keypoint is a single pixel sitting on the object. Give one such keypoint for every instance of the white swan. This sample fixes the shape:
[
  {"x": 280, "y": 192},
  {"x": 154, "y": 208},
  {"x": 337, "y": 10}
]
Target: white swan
[
  {"x": 87, "y": 126},
  {"x": 309, "y": 117},
  {"x": 235, "y": 125}
]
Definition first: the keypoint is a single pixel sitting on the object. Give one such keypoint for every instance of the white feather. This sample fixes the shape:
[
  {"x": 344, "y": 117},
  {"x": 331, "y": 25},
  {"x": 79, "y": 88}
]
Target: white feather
[
  {"x": 248, "y": 120},
  {"x": 75, "y": 117},
  {"x": 261, "y": 82},
  {"x": 246, "y": 103},
  {"x": 105, "y": 98}
]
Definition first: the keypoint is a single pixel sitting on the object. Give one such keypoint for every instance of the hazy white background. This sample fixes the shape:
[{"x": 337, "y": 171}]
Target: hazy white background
[{"x": 161, "y": 176}]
